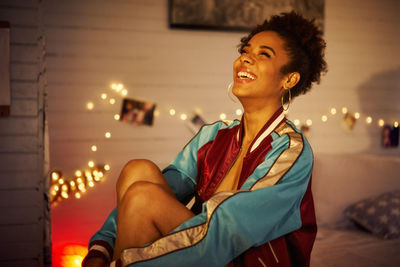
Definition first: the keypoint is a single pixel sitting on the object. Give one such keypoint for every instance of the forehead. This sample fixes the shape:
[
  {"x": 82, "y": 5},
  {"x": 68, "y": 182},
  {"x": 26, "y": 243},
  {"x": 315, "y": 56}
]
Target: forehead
[{"x": 268, "y": 38}]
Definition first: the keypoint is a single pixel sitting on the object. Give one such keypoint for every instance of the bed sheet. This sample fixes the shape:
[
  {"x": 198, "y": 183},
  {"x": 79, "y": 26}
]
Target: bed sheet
[{"x": 355, "y": 248}]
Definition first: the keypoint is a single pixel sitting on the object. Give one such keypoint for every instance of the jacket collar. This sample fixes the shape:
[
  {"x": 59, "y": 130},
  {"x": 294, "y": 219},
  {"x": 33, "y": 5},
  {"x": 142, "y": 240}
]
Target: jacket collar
[{"x": 265, "y": 131}]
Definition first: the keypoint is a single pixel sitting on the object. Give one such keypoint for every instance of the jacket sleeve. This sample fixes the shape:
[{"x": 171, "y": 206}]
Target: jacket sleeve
[
  {"x": 266, "y": 207},
  {"x": 181, "y": 176},
  {"x": 102, "y": 243}
]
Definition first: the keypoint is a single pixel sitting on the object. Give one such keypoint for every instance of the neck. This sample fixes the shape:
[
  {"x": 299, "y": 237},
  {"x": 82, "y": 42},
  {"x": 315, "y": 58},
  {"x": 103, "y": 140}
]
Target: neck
[{"x": 256, "y": 116}]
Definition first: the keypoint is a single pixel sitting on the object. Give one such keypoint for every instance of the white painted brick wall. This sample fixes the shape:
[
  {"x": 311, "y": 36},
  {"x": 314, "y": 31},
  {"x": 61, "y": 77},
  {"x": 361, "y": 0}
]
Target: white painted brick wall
[{"x": 22, "y": 179}]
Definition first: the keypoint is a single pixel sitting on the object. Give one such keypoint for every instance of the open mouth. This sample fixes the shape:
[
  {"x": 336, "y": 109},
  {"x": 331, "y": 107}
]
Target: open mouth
[{"x": 245, "y": 75}]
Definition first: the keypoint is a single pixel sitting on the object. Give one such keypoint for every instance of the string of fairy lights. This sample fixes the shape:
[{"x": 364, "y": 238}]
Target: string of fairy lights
[
  {"x": 63, "y": 187},
  {"x": 354, "y": 116}
]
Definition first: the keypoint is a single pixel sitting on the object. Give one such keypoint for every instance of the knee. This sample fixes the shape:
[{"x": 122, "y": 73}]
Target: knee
[
  {"x": 140, "y": 196},
  {"x": 135, "y": 170},
  {"x": 140, "y": 166}
]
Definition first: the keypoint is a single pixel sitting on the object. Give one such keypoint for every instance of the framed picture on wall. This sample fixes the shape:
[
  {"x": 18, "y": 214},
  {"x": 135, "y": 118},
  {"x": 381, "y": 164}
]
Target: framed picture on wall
[{"x": 237, "y": 15}]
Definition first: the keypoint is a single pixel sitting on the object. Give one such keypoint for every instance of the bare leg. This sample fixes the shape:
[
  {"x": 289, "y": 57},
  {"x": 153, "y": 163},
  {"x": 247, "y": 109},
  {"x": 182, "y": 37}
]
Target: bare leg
[
  {"x": 147, "y": 207},
  {"x": 140, "y": 170}
]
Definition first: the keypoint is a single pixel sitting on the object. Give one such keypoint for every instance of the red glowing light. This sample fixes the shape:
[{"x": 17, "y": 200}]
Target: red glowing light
[{"x": 72, "y": 255}]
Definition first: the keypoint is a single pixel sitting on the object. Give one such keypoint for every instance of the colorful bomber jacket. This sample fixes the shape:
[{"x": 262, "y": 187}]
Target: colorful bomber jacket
[{"x": 268, "y": 221}]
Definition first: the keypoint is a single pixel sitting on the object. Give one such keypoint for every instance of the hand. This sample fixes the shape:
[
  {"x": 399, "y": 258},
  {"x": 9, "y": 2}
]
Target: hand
[{"x": 95, "y": 262}]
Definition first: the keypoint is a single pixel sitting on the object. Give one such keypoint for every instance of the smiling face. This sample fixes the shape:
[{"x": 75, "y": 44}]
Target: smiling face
[{"x": 256, "y": 72}]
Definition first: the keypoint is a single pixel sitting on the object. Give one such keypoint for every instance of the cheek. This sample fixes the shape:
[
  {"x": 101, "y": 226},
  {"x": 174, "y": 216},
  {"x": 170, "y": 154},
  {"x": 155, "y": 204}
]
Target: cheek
[{"x": 270, "y": 73}]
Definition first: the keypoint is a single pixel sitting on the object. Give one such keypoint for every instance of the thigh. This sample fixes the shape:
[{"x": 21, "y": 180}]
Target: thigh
[
  {"x": 154, "y": 204},
  {"x": 140, "y": 170}
]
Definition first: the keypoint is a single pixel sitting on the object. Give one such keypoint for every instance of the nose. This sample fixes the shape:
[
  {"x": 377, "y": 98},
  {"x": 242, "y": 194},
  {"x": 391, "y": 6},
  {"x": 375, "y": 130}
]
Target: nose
[{"x": 246, "y": 58}]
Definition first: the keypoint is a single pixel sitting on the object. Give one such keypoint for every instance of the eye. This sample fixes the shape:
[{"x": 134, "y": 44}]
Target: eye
[
  {"x": 242, "y": 51},
  {"x": 265, "y": 54}
]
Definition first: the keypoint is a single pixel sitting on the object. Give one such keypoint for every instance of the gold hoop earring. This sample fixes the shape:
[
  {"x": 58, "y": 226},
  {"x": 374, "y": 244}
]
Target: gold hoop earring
[
  {"x": 290, "y": 100},
  {"x": 230, "y": 94}
]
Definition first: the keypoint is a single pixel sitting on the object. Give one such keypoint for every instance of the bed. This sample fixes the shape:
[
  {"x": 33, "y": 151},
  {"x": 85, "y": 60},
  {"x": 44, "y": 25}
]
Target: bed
[{"x": 357, "y": 200}]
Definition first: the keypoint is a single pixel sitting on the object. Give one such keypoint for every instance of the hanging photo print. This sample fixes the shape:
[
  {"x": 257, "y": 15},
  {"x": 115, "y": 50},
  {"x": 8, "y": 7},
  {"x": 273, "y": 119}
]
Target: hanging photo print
[
  {"x": 137, "y": 112},
  {"x": 195, "y": 123},
  {"x": 349, "y": 120}
]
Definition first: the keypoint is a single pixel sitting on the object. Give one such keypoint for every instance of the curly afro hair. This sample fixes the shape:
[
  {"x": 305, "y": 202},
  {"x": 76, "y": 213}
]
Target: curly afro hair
[{"x": 304, "y": 45}]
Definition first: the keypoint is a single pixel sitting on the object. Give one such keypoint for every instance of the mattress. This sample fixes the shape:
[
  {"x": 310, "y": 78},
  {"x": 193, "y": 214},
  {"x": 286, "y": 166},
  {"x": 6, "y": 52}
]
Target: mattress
[{"x": 355, "y": 248}]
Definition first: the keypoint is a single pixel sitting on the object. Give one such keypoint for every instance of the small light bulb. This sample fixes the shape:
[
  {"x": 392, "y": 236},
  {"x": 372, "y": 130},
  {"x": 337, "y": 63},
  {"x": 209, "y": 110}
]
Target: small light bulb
[
  {"x": 64, "y": 187},
  {"x": 114, "y": 86},
  {"x": 116, "y": 117},
  {"x": 91, "y": 184},
  {"x": 333, "y": 111},
  {"x": 112, "y": 101},
  {"x": 89, "y": 105},
  {"x": 91, "y": 164},
  {"x": 88, "y": 174},
  {"x": 172, "y": 112},
  {"x": 296, "y": 122},
  {"x": 103, "y": 96},
  {"x": 381, "y": 122},
  {"x": 72, "y": 183},
  {"x": 78, "y": 173},
  {"x": 54, "y": 192},
  {"x": 81, "y": 187},
  {"x": 309, "y": 122},
  {"x": 55, "y": 176},
  {"x": 94, "y": 148},
  {"x": 64, "y": 194},
  {"x": 107, "y": 167},
  {"x": 77, "y": 195},
  {"x": 61, "y": 181},
  {"x": 357, "y": 115},
  {"x": 79, "y": 180},
  {"x": 124, "y": 92},
  {"x": 324, "y": 118},
  {"x": 222, "y": 116},
  {"x": 56, "y": 188},
  {"x": 120, "y": 86},
  {"x": 183, "y": 116},
  {"x": 368, "y": 120},
  {"x": 239, "y": 112},
  {"x": 107, "y": 135},
  {"x": 396, "y": 124},
  {"x": 344, "y": 110}
]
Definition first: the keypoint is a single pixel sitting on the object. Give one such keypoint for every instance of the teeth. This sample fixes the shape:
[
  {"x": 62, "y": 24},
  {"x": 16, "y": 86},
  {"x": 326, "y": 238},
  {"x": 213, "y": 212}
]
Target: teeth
[{"x": 243, "y": 74}]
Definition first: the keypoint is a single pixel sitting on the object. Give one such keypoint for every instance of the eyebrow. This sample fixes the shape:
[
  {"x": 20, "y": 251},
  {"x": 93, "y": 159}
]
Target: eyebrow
[{"x": 265, "y": 47}]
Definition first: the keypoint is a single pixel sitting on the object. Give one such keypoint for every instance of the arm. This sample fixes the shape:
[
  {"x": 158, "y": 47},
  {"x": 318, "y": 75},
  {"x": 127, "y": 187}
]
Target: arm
[{"x": 232, "y": 222}]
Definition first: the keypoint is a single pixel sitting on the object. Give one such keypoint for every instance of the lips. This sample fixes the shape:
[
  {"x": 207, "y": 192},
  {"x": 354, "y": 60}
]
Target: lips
[{"x": 244, "y": 76}]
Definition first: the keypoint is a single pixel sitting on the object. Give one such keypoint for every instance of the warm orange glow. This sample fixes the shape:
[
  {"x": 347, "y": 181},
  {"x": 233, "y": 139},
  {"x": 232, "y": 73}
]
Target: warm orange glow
[{"x": 72, "y": 255}]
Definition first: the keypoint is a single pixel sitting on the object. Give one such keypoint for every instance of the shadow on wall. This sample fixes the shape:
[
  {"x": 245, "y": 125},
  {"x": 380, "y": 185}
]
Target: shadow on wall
[{"x": 379, "y": 98}]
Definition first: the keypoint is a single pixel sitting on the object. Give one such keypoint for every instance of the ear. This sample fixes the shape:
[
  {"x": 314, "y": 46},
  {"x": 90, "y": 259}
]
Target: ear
[{"x": 291, "y": 80}]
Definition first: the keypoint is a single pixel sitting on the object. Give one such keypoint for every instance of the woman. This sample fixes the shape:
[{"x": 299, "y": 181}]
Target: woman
[{"x": 251, "y": 178}]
